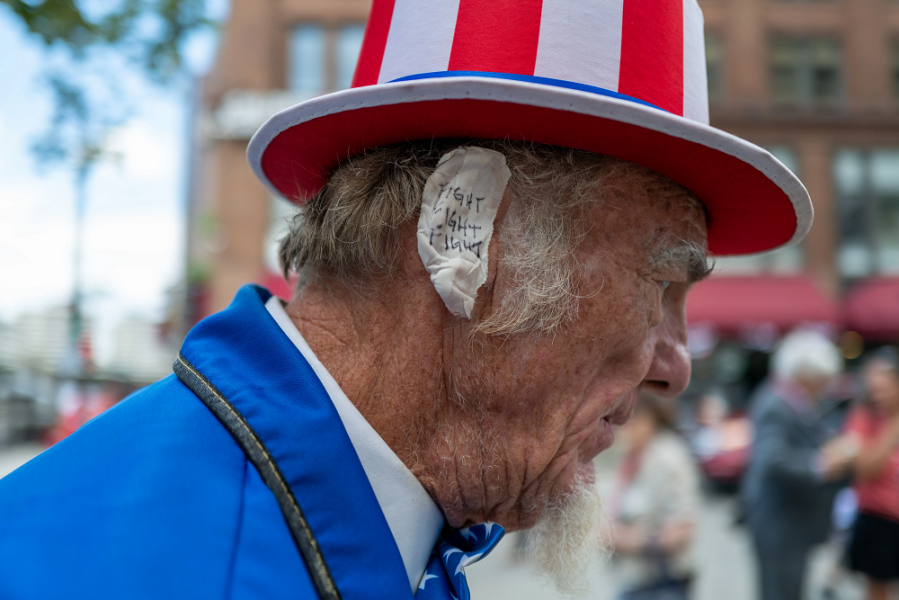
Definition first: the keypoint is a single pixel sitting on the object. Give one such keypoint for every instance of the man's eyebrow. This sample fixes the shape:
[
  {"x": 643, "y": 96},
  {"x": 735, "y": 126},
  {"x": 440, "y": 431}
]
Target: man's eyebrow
[{"x": 688, "y": 257}]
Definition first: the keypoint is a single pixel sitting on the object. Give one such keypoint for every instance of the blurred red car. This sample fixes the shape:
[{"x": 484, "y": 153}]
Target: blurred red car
[{"x": 721, "y": 441}]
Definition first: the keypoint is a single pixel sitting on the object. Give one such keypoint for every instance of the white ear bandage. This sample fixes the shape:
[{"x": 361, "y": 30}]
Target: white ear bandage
[{"x": 458, "y": 207}]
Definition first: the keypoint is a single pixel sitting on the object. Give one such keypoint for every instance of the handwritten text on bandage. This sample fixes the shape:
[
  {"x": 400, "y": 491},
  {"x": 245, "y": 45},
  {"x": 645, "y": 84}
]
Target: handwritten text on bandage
[{"x": 456, "y": 229}]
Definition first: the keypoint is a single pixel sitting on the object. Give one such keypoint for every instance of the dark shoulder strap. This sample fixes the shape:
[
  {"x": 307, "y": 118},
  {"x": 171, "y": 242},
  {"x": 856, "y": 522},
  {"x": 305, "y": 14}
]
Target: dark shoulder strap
[{"x": 259, "y": 455}]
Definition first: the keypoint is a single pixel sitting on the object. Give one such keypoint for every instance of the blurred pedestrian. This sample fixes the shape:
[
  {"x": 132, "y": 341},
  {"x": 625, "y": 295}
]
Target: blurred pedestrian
[
  {"x": 845, "y": 510},
  {"x": 794, "y": 467},
  {"x": 720, "y": 441},
  {"x": 873, "y": 428},
  {"x": 705, "y": 438},
  {"x": 655, "y": 506}
]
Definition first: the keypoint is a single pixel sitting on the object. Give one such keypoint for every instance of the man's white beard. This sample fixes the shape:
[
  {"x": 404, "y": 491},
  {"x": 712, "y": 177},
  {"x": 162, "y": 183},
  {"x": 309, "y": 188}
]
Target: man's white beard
[{"x": 568, "y": 539}]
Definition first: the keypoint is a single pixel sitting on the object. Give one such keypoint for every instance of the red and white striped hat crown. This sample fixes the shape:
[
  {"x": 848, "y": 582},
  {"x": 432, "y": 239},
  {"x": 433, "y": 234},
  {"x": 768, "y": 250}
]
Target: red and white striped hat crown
[{"x": 625, "y": 78}]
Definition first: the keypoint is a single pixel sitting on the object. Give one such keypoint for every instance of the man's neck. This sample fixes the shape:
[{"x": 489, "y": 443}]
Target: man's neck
[
  {"x": 389, "y": 366},
  {"x": 396, "y": 370}
]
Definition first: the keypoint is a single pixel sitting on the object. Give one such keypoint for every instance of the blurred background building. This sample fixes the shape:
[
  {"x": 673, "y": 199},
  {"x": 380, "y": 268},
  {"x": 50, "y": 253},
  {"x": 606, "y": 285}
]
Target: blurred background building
[
  {"x": 48, "y": 388},
  {"x": 273, "y": 53},
  {"x": 814, "y": 81}
]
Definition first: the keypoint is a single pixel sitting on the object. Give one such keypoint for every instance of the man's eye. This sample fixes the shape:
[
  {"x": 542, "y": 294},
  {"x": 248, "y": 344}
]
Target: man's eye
[{"x": 665, "y": 284}]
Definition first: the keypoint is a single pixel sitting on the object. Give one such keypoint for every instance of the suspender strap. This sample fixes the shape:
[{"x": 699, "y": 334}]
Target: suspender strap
[{"x": 258, "y": 454}]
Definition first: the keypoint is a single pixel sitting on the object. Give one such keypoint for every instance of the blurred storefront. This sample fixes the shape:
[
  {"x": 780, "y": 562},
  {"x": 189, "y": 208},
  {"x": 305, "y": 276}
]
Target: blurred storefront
[
  {"x": 49, "y": 388},
  {"x": 814, "y": 81}
]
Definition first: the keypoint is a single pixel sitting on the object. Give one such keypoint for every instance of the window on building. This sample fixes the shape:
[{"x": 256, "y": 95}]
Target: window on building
[
  {"x": 713, "y": 66},
  {"x": 306, "y": 62},
  {"x": 349, "y": 43},
  {"x": 867, "y": 186},
  {"x": 787, "y": 261},
  {"x": 806, "y": 71}
]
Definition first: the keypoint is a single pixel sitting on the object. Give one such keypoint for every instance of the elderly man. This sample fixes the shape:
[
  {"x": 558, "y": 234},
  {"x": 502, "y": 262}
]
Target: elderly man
[
  {"x": 797, "y": 461},
  {"x": 500, "y": 224}
]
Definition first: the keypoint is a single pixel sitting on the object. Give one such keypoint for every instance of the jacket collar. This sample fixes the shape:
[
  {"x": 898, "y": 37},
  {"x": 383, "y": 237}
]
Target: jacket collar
[{"x": 247, "y": 356}]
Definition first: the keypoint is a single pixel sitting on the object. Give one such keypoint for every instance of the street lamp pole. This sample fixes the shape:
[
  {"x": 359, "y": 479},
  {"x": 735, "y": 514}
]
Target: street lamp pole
[{"x": 76, "y": 316}]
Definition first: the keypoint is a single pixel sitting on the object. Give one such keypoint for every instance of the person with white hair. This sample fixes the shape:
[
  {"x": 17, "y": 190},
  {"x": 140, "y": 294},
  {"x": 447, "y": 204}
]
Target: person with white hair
[
  {"x": 795, "y": 466},
  {"x": 808, "y": 358}
]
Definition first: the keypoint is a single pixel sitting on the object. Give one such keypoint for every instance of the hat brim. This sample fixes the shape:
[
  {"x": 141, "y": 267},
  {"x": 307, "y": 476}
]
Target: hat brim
[{"x": 754, "y": 202}]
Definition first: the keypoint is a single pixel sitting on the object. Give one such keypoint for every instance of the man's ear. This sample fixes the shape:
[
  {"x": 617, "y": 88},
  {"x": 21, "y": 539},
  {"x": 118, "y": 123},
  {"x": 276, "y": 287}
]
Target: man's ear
[{"x": 487, "y": 293}]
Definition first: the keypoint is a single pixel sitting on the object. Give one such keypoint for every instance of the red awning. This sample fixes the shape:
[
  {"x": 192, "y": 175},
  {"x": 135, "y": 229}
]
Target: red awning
[
  {"x": 734, "y": 303},
  {"x": 872, "y": 309}
]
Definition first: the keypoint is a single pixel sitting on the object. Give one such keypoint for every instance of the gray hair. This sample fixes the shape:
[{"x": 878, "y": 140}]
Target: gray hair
[
  {"x": 807, "y": 354},
  {"x": 352, "y": 229}
]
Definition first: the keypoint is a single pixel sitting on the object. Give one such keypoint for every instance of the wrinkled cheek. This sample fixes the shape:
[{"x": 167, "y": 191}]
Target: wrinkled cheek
[
  {"x": 641, "y": 335},
  {"x": 638, "y": 314},
  {"x": 634, "y": 349}
]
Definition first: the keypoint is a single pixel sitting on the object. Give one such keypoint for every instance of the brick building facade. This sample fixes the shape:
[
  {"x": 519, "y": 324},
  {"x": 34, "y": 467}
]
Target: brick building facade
[
  {"x": 814, "y": 81},
  {"x": 273, "y": 53}
]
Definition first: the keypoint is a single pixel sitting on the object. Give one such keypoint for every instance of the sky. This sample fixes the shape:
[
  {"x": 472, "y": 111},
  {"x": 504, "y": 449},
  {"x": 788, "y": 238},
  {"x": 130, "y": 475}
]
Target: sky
[{"x": 134, "y": 235}]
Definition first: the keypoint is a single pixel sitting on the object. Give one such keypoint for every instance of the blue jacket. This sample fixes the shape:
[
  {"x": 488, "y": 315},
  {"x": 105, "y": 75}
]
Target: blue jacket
[{"x": 157, "y": 499}]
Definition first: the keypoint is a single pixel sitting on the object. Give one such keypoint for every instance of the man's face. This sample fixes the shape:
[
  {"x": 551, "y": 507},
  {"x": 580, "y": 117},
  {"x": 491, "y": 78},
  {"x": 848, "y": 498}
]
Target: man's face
[{"x": 551, "y": 400}]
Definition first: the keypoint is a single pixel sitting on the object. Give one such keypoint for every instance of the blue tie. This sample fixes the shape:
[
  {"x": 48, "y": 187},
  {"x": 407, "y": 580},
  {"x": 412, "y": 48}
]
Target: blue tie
[{"x": 444, "y": 579}]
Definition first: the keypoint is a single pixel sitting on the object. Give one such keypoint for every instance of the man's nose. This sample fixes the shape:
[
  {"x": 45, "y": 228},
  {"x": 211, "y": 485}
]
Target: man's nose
[{"x": 669, "y": 371}]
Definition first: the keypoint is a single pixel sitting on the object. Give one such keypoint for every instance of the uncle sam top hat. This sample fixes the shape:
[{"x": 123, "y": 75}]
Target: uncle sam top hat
[{"x": 625, "y": 78}]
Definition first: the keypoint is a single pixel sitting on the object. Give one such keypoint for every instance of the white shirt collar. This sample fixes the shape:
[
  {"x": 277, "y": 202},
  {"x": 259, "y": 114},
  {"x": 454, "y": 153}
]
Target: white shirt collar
[{"x": 413, "y": 517}]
